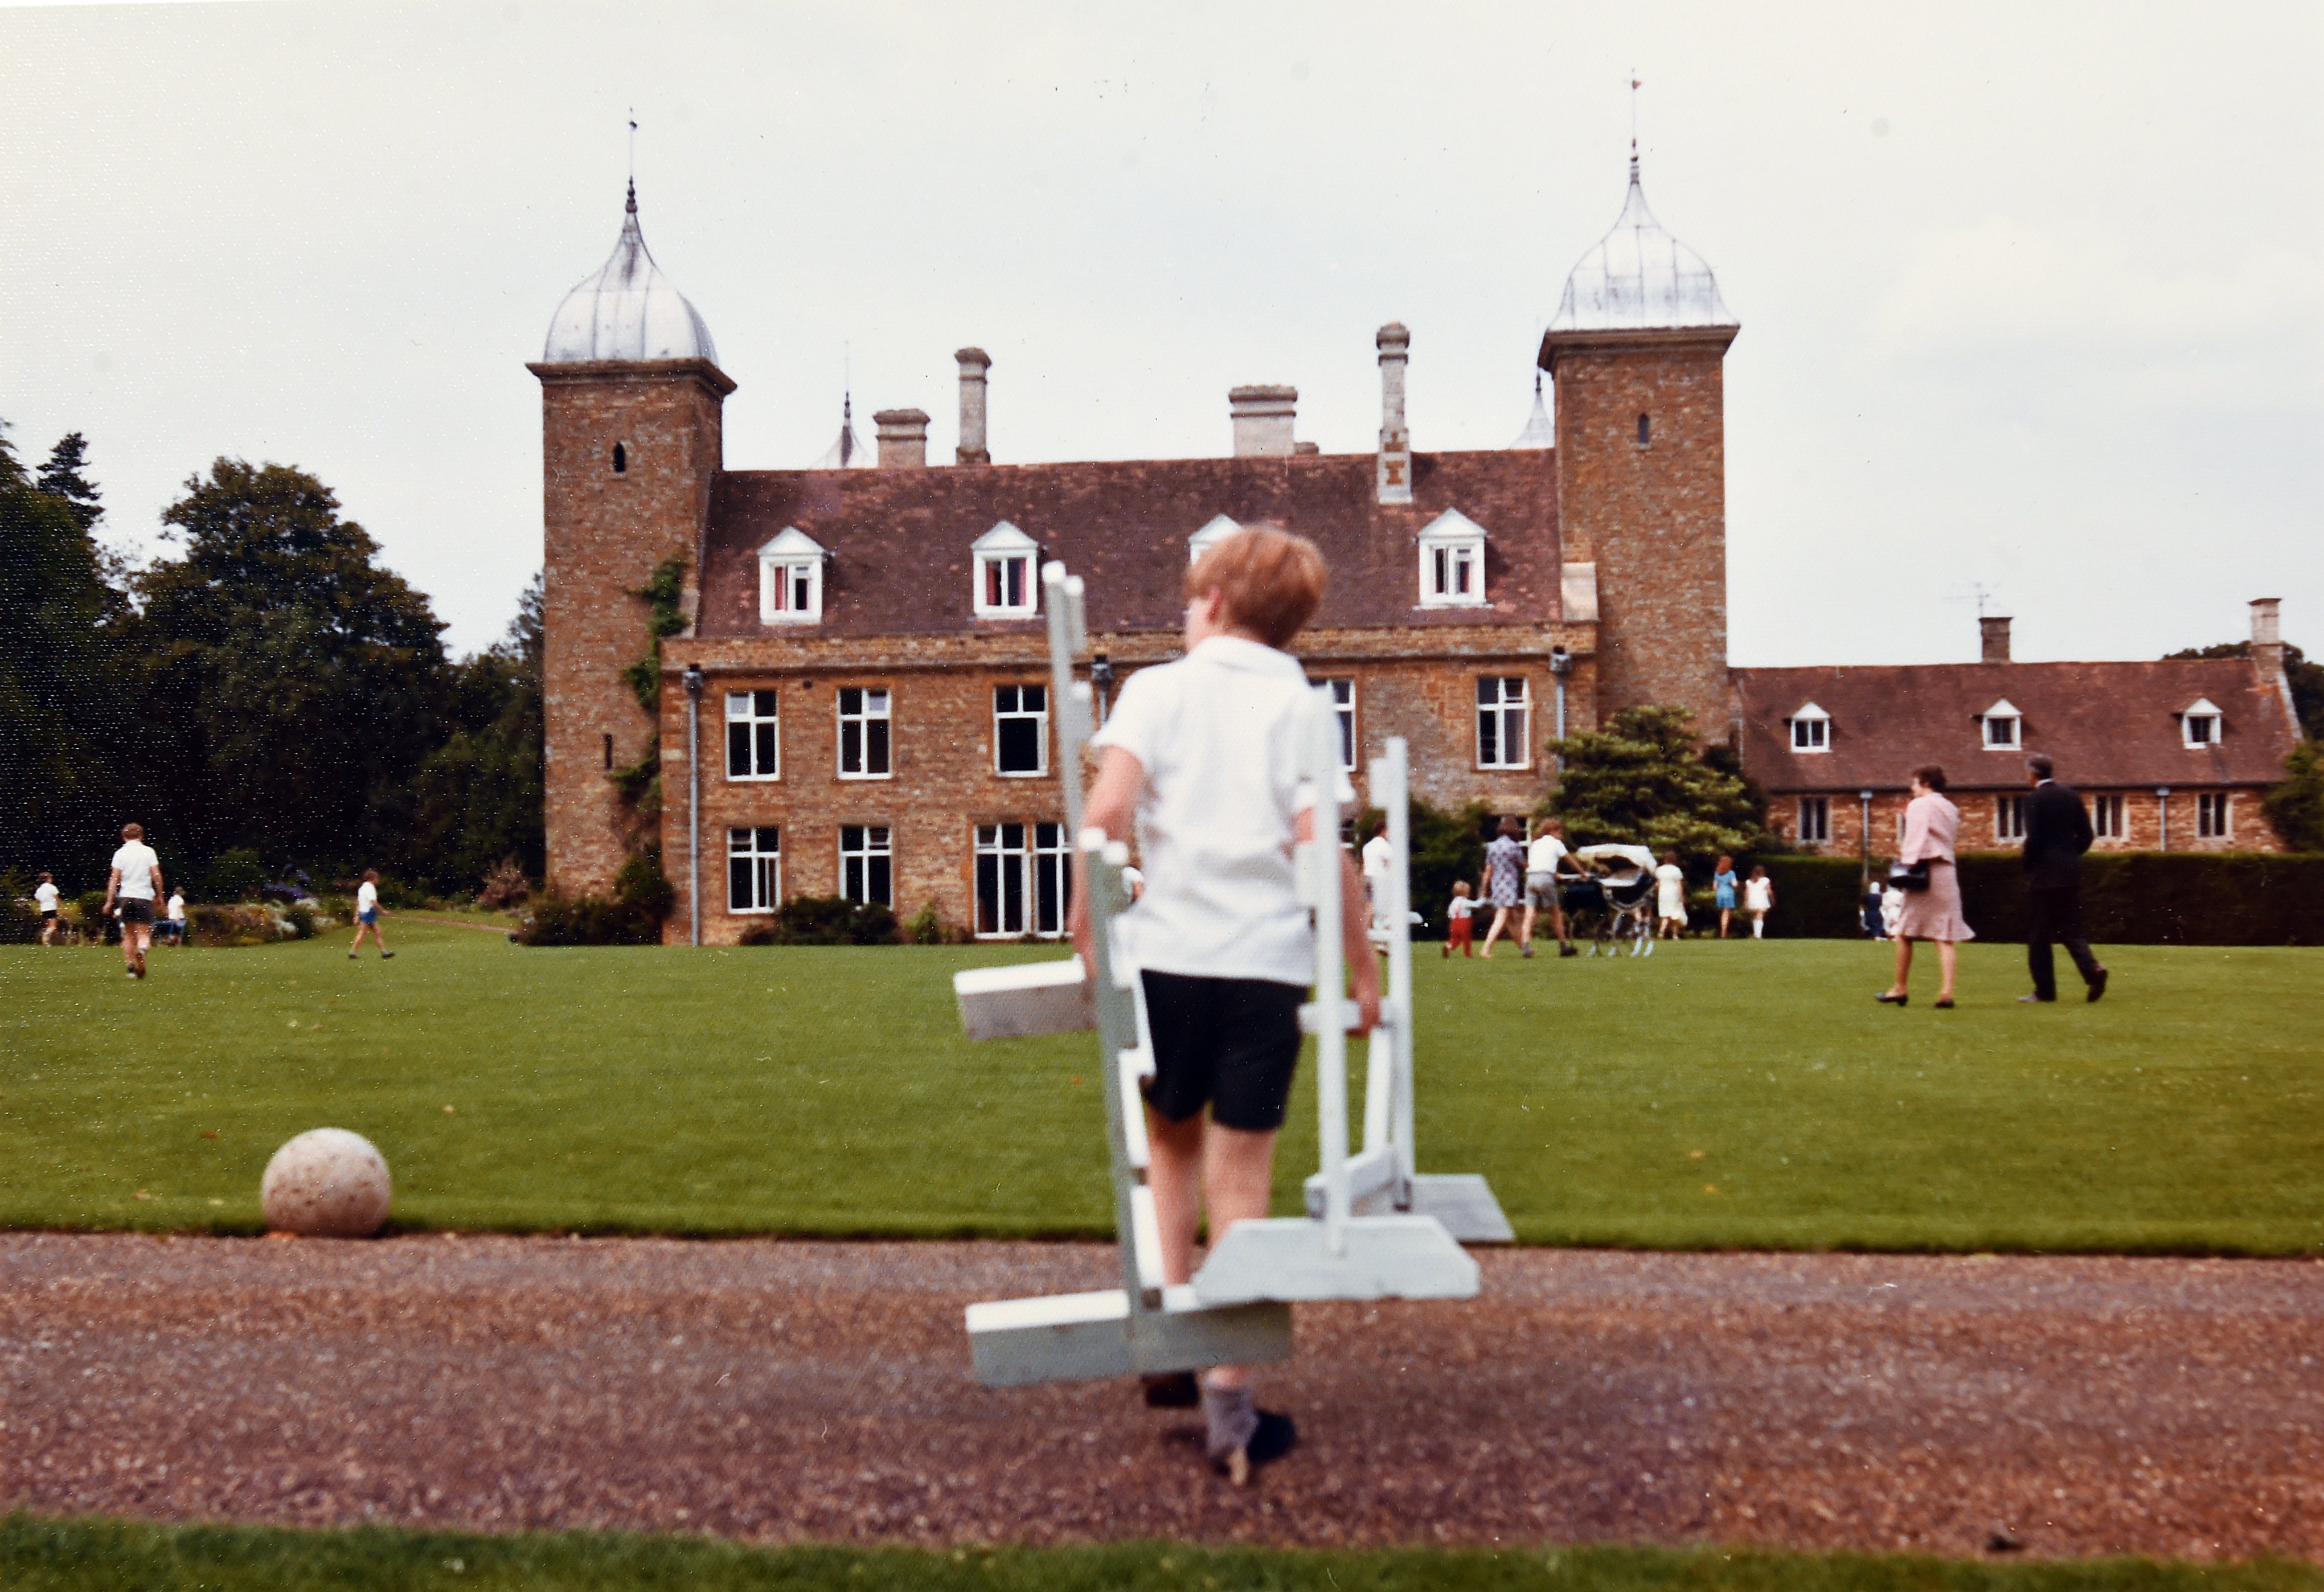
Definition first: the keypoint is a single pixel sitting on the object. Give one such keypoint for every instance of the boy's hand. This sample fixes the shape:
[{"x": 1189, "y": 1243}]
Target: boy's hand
[{"x": 1368, "y": 996}]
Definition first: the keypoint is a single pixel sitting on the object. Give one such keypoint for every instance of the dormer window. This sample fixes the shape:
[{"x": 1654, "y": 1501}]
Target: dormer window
[
  {"x": 790, "y": 579},
  {"x": 2198, "y": 724},
  {"x": 1004, "y": 573},
  {"x": 1810, "y": 730},
  {"x": 2001, "y": 727},
  {"x": 1209, "y": 537},
  {"x": 1453, "y": 562}
]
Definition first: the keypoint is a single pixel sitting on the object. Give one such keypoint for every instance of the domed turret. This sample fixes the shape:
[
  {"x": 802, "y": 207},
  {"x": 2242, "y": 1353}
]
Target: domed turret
[
  {"x": 1638, "y": 277},
  {"x": 629, "y": 311}
]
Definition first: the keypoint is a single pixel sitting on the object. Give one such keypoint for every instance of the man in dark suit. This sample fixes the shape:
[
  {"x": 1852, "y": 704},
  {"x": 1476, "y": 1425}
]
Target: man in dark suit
[{"x": 2057, "y": 832}]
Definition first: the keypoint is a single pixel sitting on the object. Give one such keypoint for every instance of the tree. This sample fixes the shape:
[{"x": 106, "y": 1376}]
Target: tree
[
  {"x": 2307, "y": 679},
  {"x": 2296, "y": 808},
  {"x": 478, "y": 799},
  {"x": 1640, "y": 781},
  {"x": 293, "y": 686},
  {"x": 61, "y": 717}
]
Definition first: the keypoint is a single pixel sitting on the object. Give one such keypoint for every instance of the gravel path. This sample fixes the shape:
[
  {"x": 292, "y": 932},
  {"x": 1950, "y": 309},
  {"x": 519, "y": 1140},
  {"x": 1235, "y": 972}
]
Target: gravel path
[{"x": 779, "y": 1391}]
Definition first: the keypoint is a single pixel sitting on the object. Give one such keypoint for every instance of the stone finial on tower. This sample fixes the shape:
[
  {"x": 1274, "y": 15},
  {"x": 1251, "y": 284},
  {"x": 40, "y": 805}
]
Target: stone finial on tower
[
  {"x": 1993, "y": 638},
  {"x": 903, "y": 438},
  {"x": 973, "y": 363},
  {"x": 1392, "y": 474},
  {"x": 1263, "y": 418}
]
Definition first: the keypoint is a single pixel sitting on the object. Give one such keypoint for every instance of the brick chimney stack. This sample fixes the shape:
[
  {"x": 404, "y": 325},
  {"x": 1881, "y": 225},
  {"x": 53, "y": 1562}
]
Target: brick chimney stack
[
  {"x": 1992, "y": 633},
  {"x": 1262, "y": 419},
  {"x": 903, "y": 438},
  {"x": 1393, "y": 473},
  {"x": 2267, "y": 653},
  {"x": 973, "y": 363}
]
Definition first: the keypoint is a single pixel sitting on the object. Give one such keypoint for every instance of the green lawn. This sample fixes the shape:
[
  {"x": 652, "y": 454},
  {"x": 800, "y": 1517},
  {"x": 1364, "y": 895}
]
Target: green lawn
[
  {"x": 106, "y": 1556},
  {"x": 1737, "y": 1094}
]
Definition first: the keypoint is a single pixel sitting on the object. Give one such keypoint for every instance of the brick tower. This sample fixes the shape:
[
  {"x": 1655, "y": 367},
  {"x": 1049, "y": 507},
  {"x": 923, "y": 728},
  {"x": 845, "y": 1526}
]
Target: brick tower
[
  {"x": 631, "y": 402},
  {"x": 1637, "y": 352}
]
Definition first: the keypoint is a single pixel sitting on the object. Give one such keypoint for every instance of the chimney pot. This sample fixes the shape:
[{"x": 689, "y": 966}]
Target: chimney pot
[
  {"x": 1262, "y": 418},
  {"x": 973, "y": 363},
  {"x": 2266, "y": 626},
  {"x": 1993, "y": 634},
  {"x": 903, "y": 438},
  {"x": 1392, "y": 473}
]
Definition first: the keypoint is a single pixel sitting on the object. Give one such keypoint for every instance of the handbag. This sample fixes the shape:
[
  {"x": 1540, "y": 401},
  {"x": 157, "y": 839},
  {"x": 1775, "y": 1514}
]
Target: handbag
[{"x": 1909, "y": 875}]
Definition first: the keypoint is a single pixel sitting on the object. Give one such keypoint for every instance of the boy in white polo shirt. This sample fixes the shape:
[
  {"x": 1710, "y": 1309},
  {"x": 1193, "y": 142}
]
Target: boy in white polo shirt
[
  {"x": 135, "y": 882},
  {"x": 1201, "y": 755},
  {"x": 45, "y": 897}
]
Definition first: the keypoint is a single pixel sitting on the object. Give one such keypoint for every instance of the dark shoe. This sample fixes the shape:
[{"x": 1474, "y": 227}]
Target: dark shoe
[
  {"x": 1528, "y": 952},
  {"x": 2097, "y": 984},
  {"x": 1276, "y": 1437},
  {"x": 1176, "y": 1390},
  {"x": 2035, "y": 999},
  {"x": 1945, "y": 1003},
  {"x": 386, "y": 955},
  {"x": 1567, "y": 951},
  {"x": 1886, "y": 999}
]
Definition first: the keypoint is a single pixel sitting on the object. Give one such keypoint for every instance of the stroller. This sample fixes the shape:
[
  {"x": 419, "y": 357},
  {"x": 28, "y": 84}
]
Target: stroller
[{"x": 1617, "y": 898}]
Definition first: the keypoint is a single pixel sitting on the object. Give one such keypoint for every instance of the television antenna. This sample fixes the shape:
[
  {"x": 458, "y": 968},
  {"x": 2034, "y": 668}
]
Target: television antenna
[{"x": 1981, "y": 592}]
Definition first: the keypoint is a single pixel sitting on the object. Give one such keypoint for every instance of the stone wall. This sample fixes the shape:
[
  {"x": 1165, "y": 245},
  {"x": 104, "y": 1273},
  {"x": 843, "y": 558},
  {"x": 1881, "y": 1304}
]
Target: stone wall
[
  {"x": 603, "y": 533},
  {"x": 1652, "y": 515},
  {"x": 1418, "y": 683},
  {"x": 2248, "y": 828}
]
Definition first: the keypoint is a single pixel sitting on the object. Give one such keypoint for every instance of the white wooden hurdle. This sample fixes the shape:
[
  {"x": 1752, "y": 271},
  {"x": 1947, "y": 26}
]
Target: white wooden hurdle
[{"x": 1376, "y": 1228}]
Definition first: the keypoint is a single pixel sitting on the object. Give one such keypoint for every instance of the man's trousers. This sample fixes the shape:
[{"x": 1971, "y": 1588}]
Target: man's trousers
[{"x": 2054, "y": 915}]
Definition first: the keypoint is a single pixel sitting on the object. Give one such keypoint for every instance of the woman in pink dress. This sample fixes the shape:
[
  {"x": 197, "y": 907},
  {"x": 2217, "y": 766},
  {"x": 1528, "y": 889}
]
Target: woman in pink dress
[{"x": 1931, "y": 826}]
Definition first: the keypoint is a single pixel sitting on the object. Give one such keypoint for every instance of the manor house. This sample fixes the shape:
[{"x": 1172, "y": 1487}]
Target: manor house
[{"x": 870, "y": 713}]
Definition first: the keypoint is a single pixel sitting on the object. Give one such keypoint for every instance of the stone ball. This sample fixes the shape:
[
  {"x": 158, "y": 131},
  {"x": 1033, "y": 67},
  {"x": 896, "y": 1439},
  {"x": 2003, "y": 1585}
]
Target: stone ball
[{"x": 326, "y": 1183}]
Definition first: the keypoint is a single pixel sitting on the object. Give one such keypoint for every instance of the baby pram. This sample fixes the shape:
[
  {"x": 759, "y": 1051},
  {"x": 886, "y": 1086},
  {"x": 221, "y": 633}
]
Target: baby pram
[{"x": 1617, "y": 899}]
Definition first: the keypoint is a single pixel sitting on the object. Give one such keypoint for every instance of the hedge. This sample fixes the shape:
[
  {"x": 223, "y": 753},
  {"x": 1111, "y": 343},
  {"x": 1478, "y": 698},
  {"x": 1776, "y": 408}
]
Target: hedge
[{"x": 2128, "y": 898}]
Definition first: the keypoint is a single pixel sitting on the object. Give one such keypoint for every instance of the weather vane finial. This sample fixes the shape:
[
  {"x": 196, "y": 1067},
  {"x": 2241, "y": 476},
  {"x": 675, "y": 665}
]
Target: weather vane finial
[
  {"x": 633, "y": 160},
  {"x": 1634, "y": 121}
]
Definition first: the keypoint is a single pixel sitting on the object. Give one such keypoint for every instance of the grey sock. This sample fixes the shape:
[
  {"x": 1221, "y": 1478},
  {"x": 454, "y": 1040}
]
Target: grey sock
[{"x": 1230, "y": 1418}]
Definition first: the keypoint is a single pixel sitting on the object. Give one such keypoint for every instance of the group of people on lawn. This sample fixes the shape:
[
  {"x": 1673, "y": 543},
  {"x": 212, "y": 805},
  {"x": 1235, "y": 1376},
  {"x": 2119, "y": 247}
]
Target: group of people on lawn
[{"x": 1523, "y": 876}]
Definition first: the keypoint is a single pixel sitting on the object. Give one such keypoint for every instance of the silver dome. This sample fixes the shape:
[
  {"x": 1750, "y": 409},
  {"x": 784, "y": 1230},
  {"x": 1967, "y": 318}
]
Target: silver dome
[
  {"x": 628, "y": 311},
  {"x": 1639, "y": 276}
]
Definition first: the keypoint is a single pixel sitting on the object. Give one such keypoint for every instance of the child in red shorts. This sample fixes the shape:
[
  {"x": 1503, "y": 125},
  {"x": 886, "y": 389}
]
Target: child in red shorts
[{"x": 1458, "y": 930}]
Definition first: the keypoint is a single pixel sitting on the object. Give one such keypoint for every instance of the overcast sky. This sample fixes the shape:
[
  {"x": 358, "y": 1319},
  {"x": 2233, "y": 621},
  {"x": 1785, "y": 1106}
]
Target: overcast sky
[{"x": 2032, "y": 296}]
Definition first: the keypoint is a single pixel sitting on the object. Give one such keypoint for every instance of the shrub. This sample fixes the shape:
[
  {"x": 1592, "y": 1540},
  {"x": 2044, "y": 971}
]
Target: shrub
[
  {"x": 505, "y": 885},
  {"x": 925, "y": 928},
  {"x": 232, "y": 876},
  {"x": 824, "y": 920},
  {"x": 642, "y": 899}
]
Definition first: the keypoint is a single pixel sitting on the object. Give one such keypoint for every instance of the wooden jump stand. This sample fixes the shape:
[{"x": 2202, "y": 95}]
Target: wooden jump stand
[{"x": 1376, "y": 1228}]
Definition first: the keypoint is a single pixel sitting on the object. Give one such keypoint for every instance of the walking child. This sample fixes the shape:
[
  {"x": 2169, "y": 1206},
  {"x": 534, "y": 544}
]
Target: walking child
[
  {"x": 1670, "y": 897},
  {"x": 45, "y": 899},
  {"x": 1723, "y": 893},
  {"x": 367, "y": 911},
  {"x": 133, "y": 883},
  {"x": 1202, "y": 756},
  {"x": 1458, "y": 929},
  {"x": 1758, "y": 900}
]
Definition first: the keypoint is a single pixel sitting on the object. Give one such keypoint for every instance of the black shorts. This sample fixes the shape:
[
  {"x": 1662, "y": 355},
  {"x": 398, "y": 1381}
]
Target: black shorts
[
  {"x": 48, "y": 916},
  {"x": 1229, "y": 1043},
  {"x": 136, "y": 911}
]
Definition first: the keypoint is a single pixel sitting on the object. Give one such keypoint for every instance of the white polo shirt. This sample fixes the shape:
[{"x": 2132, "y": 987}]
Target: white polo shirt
[
  {"x": 137, "y": 861},
  {"x": 1542, "y": 855},
  {"x": 1217, "y": 734}
]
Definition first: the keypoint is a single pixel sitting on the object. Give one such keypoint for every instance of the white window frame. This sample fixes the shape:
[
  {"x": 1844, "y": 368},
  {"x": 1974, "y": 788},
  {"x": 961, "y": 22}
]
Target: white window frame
[
  {"x": 999, "y": 547},
  {"x": 1344, "y": 708},
  {"x": 1449, "y": 543},
  {"x": 793, "y": 560},
  {"x": 1810, "y": 730},
  {"x": 2205, "y": 711},
  {"x": 762, "y": 733},
  {"x": 874, "y": 843},
  {"x": 1018, "y": 713},
  {"x": 869, "y": 712},
  {"x": 2009, "y": 818},
  {"x": 1052, "y": 880},
  {"x": 2110, "y": 816},
  {"x": 1815, "y": 820},
  {"x": 1505, "y": 712},
  {"x": 1008, "y": 861},
  {"x": 1214, "y": 531},
  {"x": 766, "y": 867},
  {"x": 2215, "y": 814},
  {"x": 2002, "y": 713}
]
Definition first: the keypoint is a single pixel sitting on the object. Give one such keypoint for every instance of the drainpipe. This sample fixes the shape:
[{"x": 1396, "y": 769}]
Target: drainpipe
[
  {"x": 1561, "y": 664},
  {"x": 2162, "y": 818},
  {"x": 694, "y": 801},
  {"x": 1864, "y": 797}
]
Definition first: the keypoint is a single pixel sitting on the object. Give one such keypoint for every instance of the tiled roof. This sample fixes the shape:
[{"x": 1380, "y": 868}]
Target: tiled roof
[
  {"x": 900, "y": 538},
  {"x": 2109, "y": 725}
]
